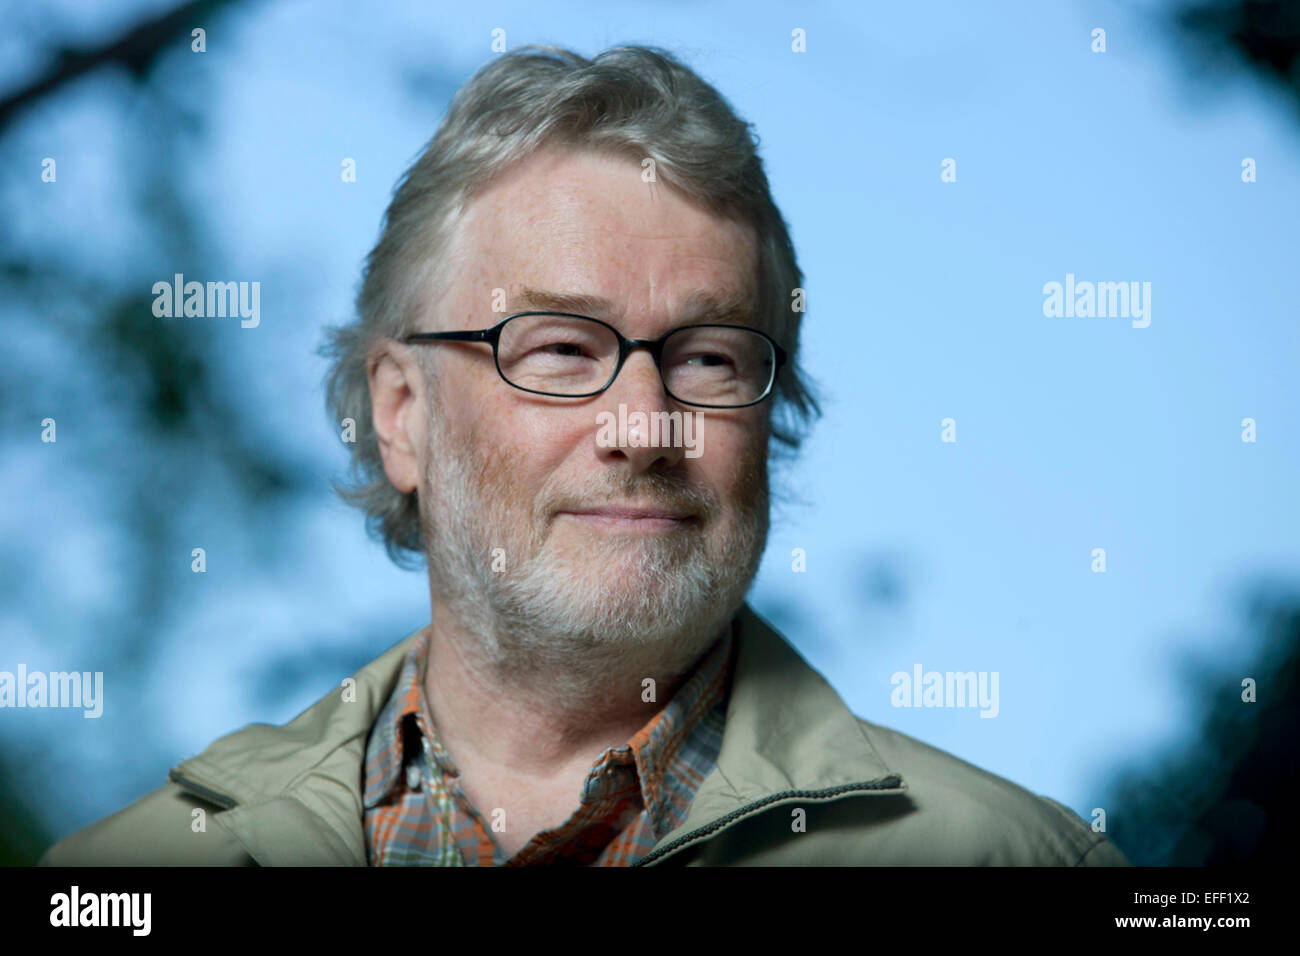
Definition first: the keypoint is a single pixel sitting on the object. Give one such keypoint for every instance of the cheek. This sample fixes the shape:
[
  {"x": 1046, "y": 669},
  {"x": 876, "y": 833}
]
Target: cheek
[
  {"x": 552, "y": 432},
  {"x": 523, "y": 445},
  {"x": 542, "y": 437},
  {"x": 734, "y": 461}
]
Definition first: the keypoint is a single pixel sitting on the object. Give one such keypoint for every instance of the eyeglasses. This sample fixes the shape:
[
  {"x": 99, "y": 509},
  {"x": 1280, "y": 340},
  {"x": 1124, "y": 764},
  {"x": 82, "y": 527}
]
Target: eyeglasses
[{"x": 573, "y": 356}]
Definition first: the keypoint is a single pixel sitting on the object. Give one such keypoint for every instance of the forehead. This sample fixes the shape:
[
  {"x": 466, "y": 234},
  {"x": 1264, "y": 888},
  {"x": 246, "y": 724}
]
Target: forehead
[{"x": 587, "y": 223}]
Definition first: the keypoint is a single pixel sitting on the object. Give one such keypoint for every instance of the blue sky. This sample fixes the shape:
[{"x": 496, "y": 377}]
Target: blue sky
[{"x": 925, "y": 303}]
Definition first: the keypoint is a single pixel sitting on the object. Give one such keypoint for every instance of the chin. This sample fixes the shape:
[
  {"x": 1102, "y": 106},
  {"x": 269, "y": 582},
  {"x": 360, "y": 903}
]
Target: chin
[
  {"x": 627, "y": 599},
  {"x": 630, "y": 554},
  {"x": 628, "y": 590}
]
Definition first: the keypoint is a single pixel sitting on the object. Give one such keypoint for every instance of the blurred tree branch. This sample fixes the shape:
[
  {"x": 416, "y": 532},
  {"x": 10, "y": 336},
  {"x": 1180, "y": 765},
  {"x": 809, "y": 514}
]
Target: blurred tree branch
[{"x": 137, "y": 51}]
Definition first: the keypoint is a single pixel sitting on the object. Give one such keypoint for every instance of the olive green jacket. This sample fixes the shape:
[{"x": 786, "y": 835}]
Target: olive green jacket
[{"x": 291, "y": 795}]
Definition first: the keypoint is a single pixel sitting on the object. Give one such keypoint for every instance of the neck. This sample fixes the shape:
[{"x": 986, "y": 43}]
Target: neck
[{"x": 503, "y": 704}]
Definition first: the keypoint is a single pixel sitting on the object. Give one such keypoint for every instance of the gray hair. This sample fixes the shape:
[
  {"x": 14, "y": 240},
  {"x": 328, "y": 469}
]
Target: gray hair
[{"x": 633, "y": 101}]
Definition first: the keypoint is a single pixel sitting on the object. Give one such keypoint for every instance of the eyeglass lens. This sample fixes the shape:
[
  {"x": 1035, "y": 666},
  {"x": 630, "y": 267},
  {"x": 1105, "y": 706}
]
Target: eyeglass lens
[{"x": 571, "y": 356}]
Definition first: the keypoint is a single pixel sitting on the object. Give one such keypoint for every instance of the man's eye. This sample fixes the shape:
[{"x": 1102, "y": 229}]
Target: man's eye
[
  {"x": 709, "y": 358},
  {"x": 566, "y": 349}
]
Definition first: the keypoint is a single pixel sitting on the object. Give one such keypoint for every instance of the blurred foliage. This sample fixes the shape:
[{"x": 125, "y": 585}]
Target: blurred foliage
[
  {"x": 22, "y": 836},
  {"x": 154, "y": 406},
  {"x": 1229, "y": 795},
  {"x": 1261, "y": 37}
]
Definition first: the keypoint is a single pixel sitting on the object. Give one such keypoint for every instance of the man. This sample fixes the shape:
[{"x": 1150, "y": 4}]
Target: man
[{"x": 583, "y": 243}]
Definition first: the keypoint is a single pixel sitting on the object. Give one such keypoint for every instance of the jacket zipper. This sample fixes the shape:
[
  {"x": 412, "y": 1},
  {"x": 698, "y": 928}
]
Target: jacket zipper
[
  {"x": 212, "y": 796},
  {"x": 891, "y": 782}
]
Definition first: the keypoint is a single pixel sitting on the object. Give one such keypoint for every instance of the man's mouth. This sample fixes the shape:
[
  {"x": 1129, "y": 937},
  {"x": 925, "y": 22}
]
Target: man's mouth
[{"x": 647, "y": 519}]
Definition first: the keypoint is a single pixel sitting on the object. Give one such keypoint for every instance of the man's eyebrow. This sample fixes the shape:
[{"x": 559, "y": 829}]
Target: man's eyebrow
[
  {"x": 728, "y": 308},
  {"x": 547, "y": 301},
  {"x": 699, "y": 307}
]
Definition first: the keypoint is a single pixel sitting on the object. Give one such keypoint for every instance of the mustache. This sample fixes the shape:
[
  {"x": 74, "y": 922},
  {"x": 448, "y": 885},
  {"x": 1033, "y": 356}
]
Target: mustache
[{"x": 661, "y": 490}]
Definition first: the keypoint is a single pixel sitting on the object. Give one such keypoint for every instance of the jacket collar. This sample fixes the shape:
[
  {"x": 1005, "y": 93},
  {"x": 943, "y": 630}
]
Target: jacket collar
[
  {"x": 788, "y": 735},
  {"x": 294, "y": 792}
]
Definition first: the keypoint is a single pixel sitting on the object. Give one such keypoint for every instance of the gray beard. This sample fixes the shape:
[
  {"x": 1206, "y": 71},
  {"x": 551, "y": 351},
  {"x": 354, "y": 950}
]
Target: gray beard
[{"x": 545, "y": 624}]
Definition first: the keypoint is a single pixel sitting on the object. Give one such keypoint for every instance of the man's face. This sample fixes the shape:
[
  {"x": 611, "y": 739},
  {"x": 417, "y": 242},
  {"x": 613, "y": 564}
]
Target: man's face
[{"x": 680, "y": 538}]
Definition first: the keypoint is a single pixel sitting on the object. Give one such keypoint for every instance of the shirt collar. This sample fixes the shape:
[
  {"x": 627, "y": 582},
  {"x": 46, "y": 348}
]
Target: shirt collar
[
  {"x": 387, "y": 755},
  {"x": 662, "y": 739},
  {"x": 405, "y": 728}
]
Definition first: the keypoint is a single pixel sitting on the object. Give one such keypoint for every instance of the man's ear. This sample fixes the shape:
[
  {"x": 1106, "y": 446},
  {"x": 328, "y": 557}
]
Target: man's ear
[{"x": 397, "y": 405}]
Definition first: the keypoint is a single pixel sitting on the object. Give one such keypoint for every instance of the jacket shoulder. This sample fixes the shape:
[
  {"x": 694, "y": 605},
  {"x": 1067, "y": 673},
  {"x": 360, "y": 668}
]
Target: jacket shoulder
[
  {"x": 315, "y": 757},
  {"x": 159, "y": 829},
  {"x": 983, "y": 818}
]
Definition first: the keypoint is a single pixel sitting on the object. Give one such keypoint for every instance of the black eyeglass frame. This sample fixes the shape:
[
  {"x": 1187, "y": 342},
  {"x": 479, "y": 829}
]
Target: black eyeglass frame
[{"x": 626, "y": 347}]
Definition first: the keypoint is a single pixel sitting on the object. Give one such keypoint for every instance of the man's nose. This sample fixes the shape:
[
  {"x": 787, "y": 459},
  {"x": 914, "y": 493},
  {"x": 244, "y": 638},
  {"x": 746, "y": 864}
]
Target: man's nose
[{"x": 633, "y": 420}]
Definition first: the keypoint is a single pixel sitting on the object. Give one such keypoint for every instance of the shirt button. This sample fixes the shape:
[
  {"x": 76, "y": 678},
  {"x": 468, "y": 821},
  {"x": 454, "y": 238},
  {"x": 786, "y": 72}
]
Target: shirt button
[{"x": 412, "y": 777}]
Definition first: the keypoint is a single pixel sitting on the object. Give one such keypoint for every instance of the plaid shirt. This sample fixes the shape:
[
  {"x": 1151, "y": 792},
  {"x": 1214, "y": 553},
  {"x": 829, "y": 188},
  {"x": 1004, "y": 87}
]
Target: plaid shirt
[{"x": 416, "y": 813}]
